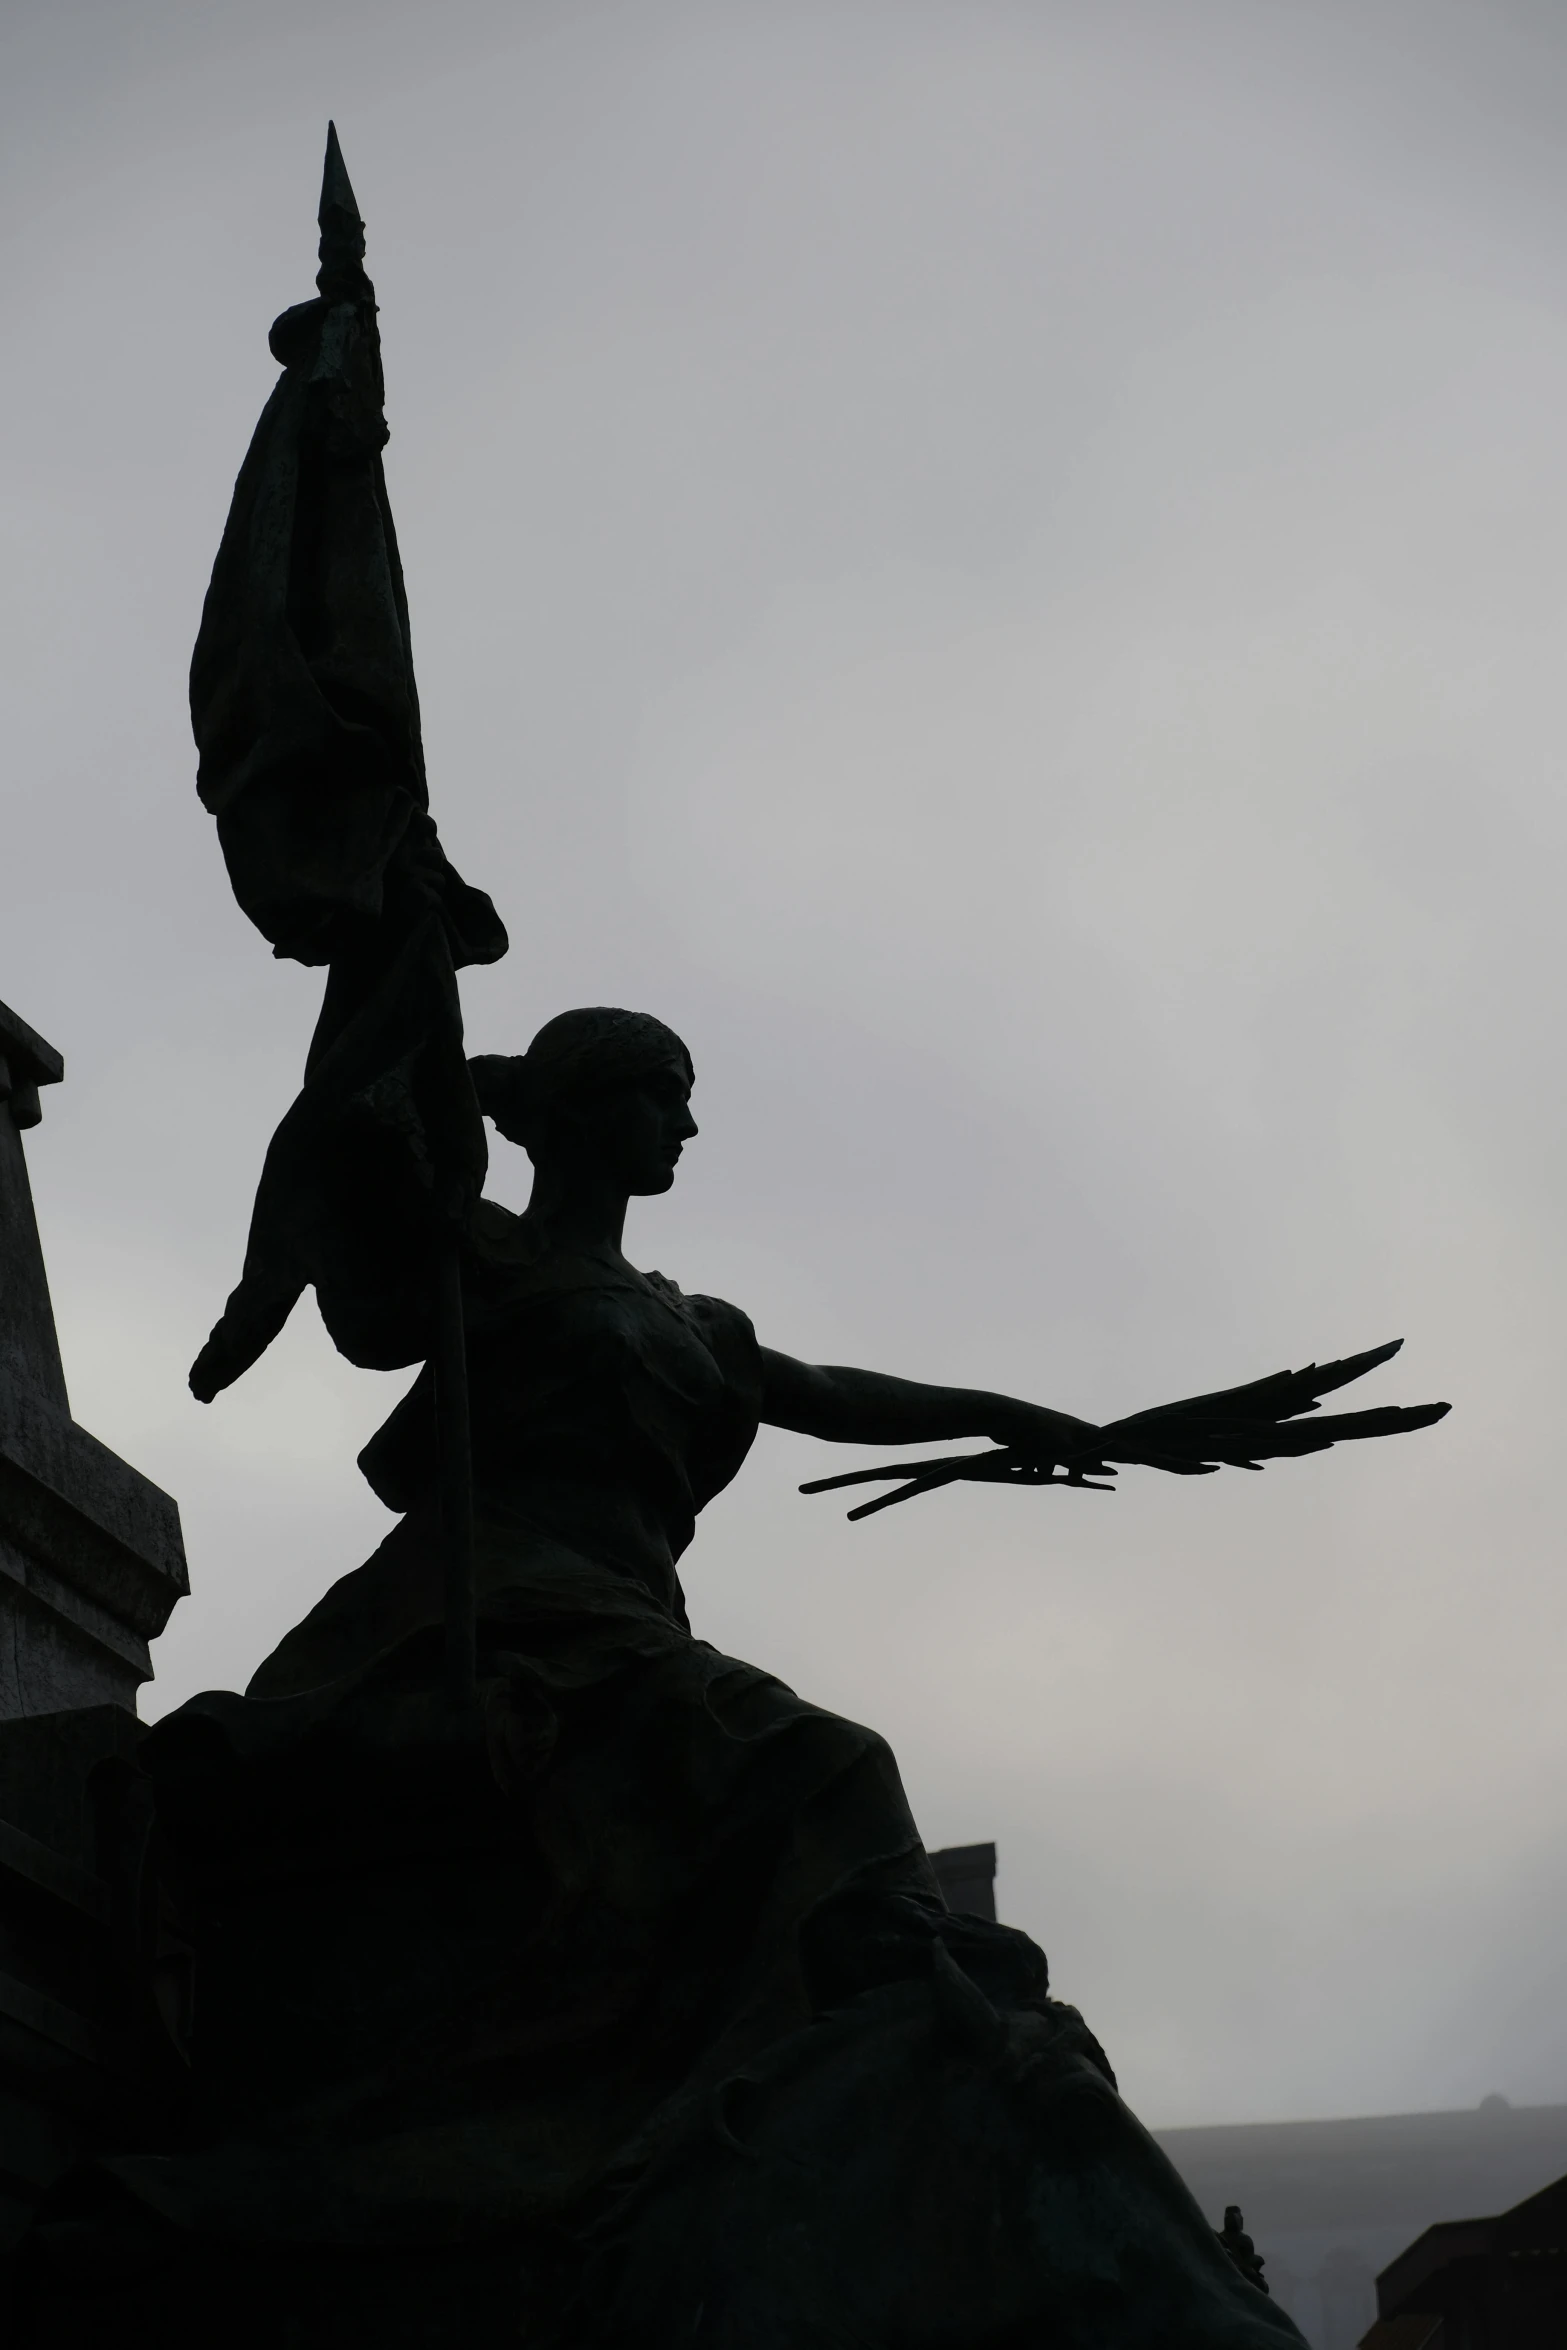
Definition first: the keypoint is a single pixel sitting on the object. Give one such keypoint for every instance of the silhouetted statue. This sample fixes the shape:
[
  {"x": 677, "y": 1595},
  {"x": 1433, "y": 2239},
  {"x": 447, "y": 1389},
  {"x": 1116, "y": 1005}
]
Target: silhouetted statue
[
  {"x": 595, "y": 1990},
  {"x": 1240, "y": 2247}
]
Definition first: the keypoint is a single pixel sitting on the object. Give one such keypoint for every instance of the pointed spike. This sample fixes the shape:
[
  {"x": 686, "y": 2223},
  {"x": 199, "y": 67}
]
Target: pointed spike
[
  {"x": 341, "y": 277},
  {"x": 337, "y": 193}
]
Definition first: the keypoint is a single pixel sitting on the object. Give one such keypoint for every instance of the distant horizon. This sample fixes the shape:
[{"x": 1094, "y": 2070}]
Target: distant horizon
[{"x": 1329, "y": 2121}]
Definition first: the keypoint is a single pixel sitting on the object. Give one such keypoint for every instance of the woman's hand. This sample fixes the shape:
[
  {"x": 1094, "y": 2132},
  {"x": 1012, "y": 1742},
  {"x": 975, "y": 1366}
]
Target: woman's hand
[{"x": 1042, "y": 1435}]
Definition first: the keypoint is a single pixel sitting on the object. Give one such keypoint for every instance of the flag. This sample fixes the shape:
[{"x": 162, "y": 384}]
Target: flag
[{"x": 306, "y": 718}]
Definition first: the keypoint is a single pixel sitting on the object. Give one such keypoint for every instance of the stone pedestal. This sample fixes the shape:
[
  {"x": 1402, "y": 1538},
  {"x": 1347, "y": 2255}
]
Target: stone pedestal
[
  {"x": 91, "y": 1564},
  {"x": 91, "y": 1560}
]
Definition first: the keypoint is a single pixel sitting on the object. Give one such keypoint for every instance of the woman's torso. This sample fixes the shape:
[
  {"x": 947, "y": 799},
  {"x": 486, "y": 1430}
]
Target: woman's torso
[{"x": 605, "y": 1405}]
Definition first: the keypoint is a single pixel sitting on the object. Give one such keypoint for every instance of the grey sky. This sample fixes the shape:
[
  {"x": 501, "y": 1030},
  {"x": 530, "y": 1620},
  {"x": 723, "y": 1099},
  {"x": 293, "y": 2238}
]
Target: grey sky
[{"x": 1005, "y": 569}]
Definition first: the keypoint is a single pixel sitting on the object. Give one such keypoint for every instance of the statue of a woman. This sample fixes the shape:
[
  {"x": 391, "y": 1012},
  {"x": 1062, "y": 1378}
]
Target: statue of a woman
[
  {"x": 607, "y": 1407},
  {"x": 625, "y": 2008}
]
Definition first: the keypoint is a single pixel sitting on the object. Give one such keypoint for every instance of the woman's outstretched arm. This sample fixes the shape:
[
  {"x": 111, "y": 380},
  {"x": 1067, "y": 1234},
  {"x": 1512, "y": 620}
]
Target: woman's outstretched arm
[{"x": 870, "y": 1407}]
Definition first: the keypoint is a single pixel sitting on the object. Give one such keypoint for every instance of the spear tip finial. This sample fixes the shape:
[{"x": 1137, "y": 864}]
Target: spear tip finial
[
  {"x": 342, "y": 229},
  {"x": 336, "y": 190}
]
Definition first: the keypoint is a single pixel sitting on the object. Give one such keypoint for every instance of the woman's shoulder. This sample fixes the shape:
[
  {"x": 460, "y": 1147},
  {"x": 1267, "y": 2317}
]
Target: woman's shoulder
[
  {"x": 715, "y": 1311},
  {"x": 513, "y": 1262},
  {"x": 725, "y": 1330}
]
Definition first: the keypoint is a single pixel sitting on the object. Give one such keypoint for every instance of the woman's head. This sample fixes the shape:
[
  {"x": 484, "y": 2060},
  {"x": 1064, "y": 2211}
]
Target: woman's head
[{"x": 598, "y": 1088}]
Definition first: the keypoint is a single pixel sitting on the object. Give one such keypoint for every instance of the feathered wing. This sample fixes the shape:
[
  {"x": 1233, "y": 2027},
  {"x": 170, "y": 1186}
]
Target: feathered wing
[{"x": 306, "y": 717}]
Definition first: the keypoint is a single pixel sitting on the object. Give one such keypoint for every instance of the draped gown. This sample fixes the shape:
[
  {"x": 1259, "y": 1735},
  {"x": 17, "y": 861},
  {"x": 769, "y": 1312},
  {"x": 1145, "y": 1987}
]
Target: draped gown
[{"x": 629, "y": 2011}]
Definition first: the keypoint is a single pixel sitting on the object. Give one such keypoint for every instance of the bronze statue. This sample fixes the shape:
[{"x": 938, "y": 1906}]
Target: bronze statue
[
  {"x": 560, "y": 1979},
  {"x": 1240, "y": 2247}
]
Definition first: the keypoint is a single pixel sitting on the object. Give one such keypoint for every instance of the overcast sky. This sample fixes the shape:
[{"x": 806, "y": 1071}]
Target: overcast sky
[{"x": 1004, "y": 568}]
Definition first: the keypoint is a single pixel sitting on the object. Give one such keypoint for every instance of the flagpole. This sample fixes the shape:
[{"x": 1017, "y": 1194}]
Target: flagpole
[{"x": 456, "y": 1478}]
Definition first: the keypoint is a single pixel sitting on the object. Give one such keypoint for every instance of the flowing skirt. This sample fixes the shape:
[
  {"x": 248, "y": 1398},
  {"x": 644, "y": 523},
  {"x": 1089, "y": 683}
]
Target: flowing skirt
[{"x": 626, "y": 2012}]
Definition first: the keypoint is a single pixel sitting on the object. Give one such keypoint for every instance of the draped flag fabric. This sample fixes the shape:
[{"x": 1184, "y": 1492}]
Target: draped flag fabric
[{"x": 306, "y": 719}]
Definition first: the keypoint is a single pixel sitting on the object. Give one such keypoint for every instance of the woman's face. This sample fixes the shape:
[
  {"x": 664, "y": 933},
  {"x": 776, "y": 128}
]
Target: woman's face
[{"x": 634, "y": 1134}]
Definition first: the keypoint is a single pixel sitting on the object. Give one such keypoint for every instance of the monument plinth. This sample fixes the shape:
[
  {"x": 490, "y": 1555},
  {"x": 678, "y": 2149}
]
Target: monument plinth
[
  {"x": 91, "y": 1559},
  {"x": 91, "y": 1564}
]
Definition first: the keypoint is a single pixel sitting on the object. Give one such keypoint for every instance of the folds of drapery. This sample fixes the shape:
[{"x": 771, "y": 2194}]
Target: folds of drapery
[
  {"x": 306, "y": 717},
  {"x": 382, "y": 1149}
]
